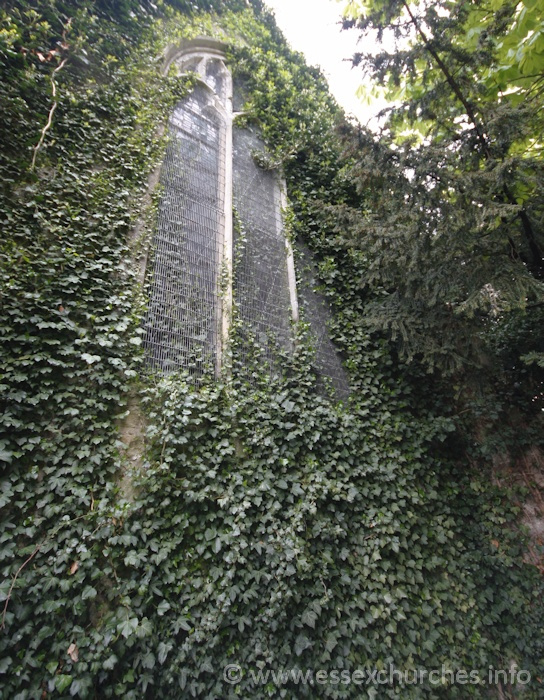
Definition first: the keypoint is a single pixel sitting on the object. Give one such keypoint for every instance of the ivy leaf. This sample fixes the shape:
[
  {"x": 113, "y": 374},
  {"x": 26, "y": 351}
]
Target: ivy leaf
[
  {"x": 301, "y": 644},
  {"x": 5, "y": 663},
  {"x": 183, "y": 623},
  {"x": 90, "y": 359},
  {"x": 62, "y": 682},
  {"x": 148, "y": 660},
  {"x": 297, "y": 490},
  {"x": 331, "y": 642},
  {"x": 88, "y": 592},
  {"x": 309, "y": 618},
  {"x": 163, "y": 607},
  {"x": 110, "y": 662},
  {"x": 128, "y": 627},
  {"x": 5, "y": 586},
  {"x": 163, "y": 650},
  {"x": 145, "y": 628},
  {"x": 5, "y": 456}
]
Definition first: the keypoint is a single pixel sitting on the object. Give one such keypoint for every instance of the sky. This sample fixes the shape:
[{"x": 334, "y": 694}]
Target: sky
[{"x": 312, "y": 27}]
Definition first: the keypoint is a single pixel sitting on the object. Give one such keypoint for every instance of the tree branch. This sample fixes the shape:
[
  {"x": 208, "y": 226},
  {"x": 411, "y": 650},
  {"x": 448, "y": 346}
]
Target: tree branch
[
  {"x": 450, "y": 80},
  {"x": 31, "y": 557},
  {"x": 27, "y": 561},
  {"x": 526, "y": 225},
  {"x": 51, "y": 112}
]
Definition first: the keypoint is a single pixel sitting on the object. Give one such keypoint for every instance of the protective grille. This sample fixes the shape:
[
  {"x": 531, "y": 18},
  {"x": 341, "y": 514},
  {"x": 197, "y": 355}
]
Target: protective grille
[
  {"x": 183, "y": 318},
  {"x": 216, "y": 77},
  {"x": 316, "y": 311},
  {"x": 261, "y": 285}
]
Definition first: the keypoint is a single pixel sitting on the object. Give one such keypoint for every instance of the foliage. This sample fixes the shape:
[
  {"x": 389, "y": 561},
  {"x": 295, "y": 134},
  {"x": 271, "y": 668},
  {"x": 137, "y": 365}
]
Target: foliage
[
  {"x": 268, "y": 526},
  {"x": 457, "y": 234}
]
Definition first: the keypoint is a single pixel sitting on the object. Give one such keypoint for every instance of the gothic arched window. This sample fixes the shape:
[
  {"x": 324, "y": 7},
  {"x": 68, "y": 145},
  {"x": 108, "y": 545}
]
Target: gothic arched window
[
  {"x": 217, "y": 201},
  {"x": 184, "y": 322}
]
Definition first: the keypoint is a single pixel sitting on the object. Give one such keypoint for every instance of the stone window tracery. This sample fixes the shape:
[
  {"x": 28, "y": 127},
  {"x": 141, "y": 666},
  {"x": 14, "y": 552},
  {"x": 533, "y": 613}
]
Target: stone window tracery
[{"x": 209, "y": 178}]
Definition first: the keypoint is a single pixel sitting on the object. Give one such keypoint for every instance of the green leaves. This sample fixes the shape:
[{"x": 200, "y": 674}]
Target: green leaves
[
  {"x": 128, "y": 627},
  {"x": 267, "y": 523},
  {"x": 63, "y": 682},
  {"x": 357, "y": 552},
  {"x": 309, "y": 618},
  {"x": 301, "y": 644},
  {"x": 453, "y": 234}
]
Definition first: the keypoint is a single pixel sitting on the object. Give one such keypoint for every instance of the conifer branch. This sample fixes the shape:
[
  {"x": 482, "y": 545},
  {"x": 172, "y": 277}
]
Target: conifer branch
[
  {"x": 471, "y": 114},
  {"x": 536, "y": 252}
]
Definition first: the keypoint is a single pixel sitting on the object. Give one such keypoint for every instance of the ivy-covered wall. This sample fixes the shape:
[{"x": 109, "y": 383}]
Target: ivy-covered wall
[{"x": 261, "y": 526}]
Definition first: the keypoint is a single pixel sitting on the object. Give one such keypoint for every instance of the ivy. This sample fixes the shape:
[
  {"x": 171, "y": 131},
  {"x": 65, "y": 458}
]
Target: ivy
[{"x": 256, "y": 522}]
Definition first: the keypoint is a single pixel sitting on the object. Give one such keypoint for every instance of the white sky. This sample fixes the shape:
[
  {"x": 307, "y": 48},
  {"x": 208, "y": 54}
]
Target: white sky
[{"x": 312, "y": 27}]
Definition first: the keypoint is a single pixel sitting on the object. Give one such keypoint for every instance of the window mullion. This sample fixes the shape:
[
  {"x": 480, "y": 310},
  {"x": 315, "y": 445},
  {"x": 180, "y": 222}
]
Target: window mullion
[
  {"x": 227, "y": 264},
  {"x": 291, "y": 275}
]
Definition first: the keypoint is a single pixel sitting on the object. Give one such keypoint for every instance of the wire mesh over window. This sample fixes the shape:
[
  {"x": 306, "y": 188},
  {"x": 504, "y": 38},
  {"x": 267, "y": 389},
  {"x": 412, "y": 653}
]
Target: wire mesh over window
[
  {"x": 185, "y": 318},
  {"x": 261, "y": 284},
  {"x": 216, "y": 77},
  {"x": 316, "y": 311},
  {"x": 184, "y": 313}
]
